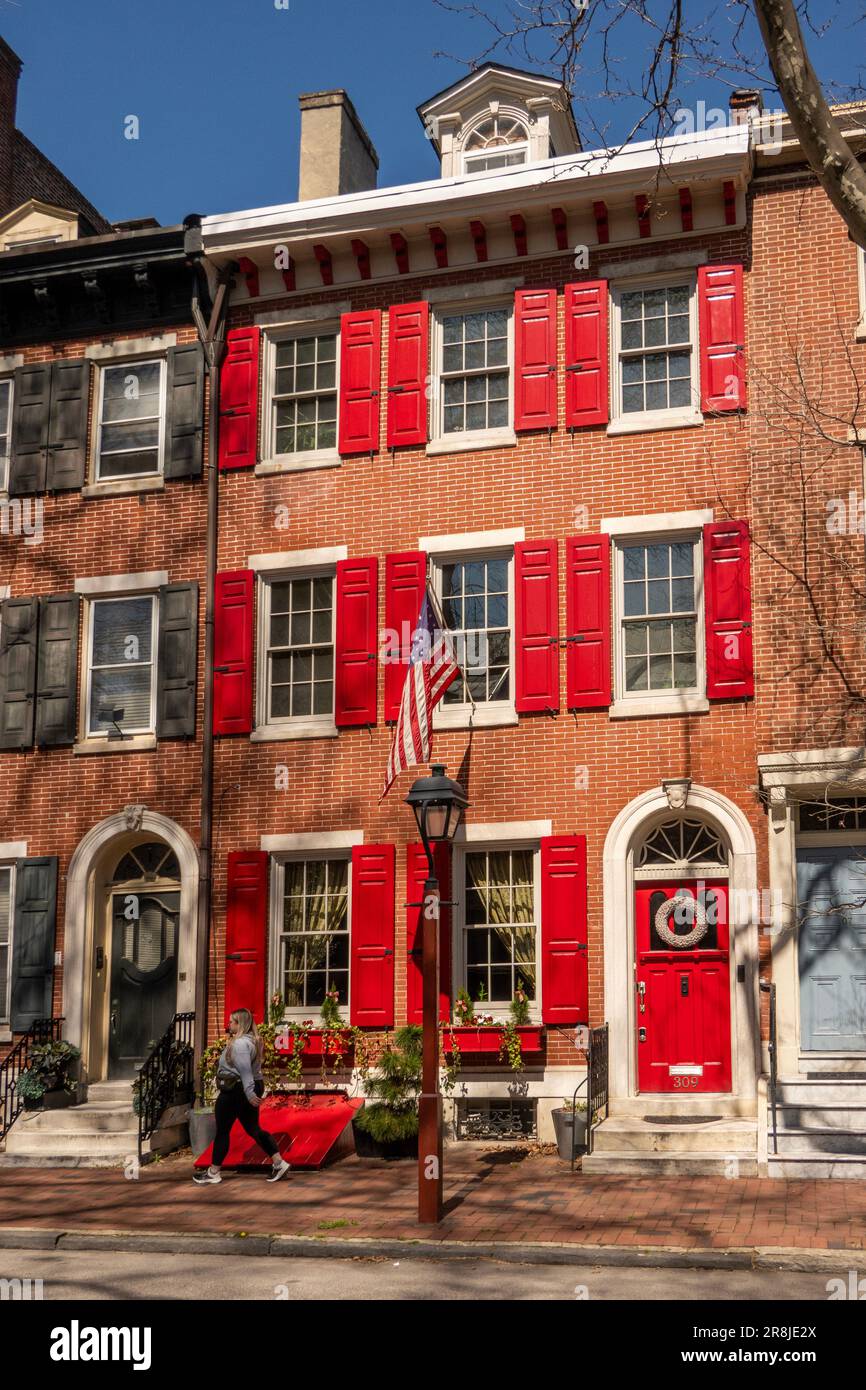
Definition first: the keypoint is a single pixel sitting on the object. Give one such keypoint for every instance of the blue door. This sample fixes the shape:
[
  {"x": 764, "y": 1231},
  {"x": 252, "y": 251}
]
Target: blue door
[{"x": 831, "y": 893}]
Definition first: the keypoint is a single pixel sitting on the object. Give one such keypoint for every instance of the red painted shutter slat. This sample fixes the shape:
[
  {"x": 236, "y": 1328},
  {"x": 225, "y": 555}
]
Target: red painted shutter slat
[
  {"x": 564, "y": 972},
  {"x": 587, "y": 578},
  {"x": 722, "y": 328},
  {"x": 239, "y": 399},
  {"x": 233, "y": 652},
  {"x": 728, "y": 606},
  {"x": 360, "y": 367},
  {"x": 408, "y": 340},
  {"x": 416, "y": 877},
  {"x": 372, "y": 947},
  {"x": 534, "y": 359},
  {"x": 536, "y": 603},
  {"x": 356, "y": 656},
  {"x": 404, "y": 591},
  {"x": 587, "y": 382},
  {"x": 246, "y": 932}
]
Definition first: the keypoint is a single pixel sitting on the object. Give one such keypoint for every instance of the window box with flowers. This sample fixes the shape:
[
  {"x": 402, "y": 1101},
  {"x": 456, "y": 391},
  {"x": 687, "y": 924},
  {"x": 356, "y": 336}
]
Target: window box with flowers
[{"x": 482, "y": 1033}]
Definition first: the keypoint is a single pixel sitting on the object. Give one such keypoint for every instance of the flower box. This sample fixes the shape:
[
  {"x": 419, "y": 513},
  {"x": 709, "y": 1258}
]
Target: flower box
[
  {"x": 489, "y": 1038},
  {"x": 339, "y": 1044}
]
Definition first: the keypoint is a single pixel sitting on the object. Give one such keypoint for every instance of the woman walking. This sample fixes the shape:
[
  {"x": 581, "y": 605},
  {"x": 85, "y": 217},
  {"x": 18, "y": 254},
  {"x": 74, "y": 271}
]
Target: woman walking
[{"x": 241, "y": 1086}]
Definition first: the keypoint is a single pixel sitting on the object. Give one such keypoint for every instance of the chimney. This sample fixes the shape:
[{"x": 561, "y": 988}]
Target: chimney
[
  {"x": 745, "y": 103},
  {"x": 337, "y": 154},
  {"x": 10, "y": 71}
]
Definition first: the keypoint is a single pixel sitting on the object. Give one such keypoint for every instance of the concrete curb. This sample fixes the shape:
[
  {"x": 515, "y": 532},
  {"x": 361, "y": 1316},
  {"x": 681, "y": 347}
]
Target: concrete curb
[{"x": 329, "y": 1247}]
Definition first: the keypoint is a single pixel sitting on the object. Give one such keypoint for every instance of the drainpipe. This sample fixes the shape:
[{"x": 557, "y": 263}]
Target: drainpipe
[{"x": 211, "y": 332}]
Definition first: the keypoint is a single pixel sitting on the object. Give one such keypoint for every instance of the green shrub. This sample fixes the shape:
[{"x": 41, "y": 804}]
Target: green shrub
[{"x": 395, "y": 1090}]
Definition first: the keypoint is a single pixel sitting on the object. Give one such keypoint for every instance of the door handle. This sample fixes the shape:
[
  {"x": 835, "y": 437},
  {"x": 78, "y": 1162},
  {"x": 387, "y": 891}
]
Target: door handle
[{"x": 641, "y": 996}]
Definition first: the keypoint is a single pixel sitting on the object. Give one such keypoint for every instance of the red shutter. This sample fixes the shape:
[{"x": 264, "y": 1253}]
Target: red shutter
[
  {"x": 355, "y": 658},
  {"x": 239, "y": 399},
  {"x": 246, "y": 932},
  {"x": 416, "y": 877},
  {"x": 536, "y": 596},
  {"x": 728, "y": 603},
  {"x": 587, "y": 381},
  {"x": 408, "y": 335},
  {"x": 587, "y": 664},
  {"x": 404, "y": 592},
  {"x": 371, "y": 985},
  {"x": 564, "y": 973},
  {"x": 233, "y": 652},
  {"x": 535, "y": 359},
  {"x": 360, "y": 369},
  {"x": 722, "y": 328}
]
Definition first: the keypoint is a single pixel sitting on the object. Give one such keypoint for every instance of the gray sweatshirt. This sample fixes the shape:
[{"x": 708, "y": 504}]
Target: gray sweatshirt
[{"x": 243, "y": 1063}]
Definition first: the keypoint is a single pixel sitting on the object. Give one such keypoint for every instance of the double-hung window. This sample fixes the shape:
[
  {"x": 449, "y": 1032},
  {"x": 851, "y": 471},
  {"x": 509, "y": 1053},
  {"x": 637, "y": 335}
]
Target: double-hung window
[
  {"x": 5, "y": 430},
  {"x": 297, "y": 650},
  {"x": 121, "y": 666},
  {"x": 312, "y": 932},
  {"x": 655, "y": 358},
  {"x": 659, "y": 622},
  {"x": 131, "y": 420},
  {"x": 500, "y": 926},
  {"x": 473, "y": 356},
  {"x": 475, "y": 592},
  {"x": 301, "y": 420},
  {"x": 7, "y": 903}
]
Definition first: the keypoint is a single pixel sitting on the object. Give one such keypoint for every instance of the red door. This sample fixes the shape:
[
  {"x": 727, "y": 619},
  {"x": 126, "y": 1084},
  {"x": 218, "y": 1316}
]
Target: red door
[{"x": 683, "y": 1001}]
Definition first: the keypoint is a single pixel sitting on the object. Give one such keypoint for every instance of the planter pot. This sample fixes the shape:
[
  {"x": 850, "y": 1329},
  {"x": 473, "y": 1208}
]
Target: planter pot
[
  {"x": 30, "y": 1104},
  {"x": 50, "y": 1080},
  {"x": 59, "y": 1099},
  {"x": 490, "y": 1039},
  {"x": 368, "y": 1147},
  {"x": 564, "y": 1122},
  {"x": 202, "y": 1130}
]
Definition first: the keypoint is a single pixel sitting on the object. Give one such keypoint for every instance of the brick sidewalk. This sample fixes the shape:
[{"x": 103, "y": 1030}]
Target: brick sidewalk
[{"x": 503, "y": 1196}]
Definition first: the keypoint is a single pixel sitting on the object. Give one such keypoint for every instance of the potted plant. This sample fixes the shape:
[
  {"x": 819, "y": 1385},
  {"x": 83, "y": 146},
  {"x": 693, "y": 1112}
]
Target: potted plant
[
  {"x": 202, "y": 1122},
  {"x": 30, "y": 1089},
  {"x": 569, "y": 1123},
  {"x": 389, "y": 1127},
  {"x": 52, "y": 1062}
]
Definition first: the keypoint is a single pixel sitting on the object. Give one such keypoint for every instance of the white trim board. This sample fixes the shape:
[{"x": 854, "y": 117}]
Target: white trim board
[
  {"x": 121, "y": 583},
  {"x": 469, "y": 834},
  {"x": 130, "y": 347},
  {"x": 310, "y": 842},
  {"x": 658, "y": 521},
  {"x": 13, "y": 849},
  {"x": 472, "y": 540},
  {"x": 298, "y": 559}
]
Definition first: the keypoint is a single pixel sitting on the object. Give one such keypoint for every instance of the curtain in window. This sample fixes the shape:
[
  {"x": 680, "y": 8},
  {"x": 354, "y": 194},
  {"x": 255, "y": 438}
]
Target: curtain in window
[
  {"x": 505, "y": 883},
  {"x": 122, "y": 664}
]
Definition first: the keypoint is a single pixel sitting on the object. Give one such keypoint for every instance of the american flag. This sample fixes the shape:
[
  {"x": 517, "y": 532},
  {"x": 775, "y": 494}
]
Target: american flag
[{"x": 432, "y": 668}]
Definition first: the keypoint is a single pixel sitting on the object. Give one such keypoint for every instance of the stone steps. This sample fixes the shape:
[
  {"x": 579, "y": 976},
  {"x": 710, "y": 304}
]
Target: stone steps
[
  {"x": 101, "y": 1133},
  {"x": 820, "y": 1128},
  {"x": 718, "y": 1146},
  {"x": 694, "y": 1165}
]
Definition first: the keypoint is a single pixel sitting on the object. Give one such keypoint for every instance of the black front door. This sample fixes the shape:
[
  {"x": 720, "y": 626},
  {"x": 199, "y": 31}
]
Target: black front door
[{"x": 144, "y": 928}]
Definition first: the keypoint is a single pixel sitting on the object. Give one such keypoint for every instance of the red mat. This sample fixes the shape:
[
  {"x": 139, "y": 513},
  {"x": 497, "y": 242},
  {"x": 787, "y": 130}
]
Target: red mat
[{"x": 307, "y": 1129}]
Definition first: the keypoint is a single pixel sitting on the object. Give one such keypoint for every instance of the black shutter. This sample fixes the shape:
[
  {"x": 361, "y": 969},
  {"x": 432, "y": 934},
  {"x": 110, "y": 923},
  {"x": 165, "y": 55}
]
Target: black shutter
[
  {"x": 184, "y": 422},
  {"x": 30, "y": 412},
  {"x": 33, "y": 940},
  {"x": 57, "y": 670},
  {"x": 178, "y": 654},
  {"x": 19, "y": 619},
  {"x": 67, "y": 430}
]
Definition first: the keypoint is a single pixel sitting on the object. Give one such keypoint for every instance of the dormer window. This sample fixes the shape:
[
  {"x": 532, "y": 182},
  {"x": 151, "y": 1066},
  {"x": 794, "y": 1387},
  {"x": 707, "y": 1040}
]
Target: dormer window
[{"x": 498, "y": 143}]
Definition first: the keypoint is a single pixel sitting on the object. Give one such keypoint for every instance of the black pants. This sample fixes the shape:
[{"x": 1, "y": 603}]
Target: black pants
[{"x": 233, "y": 1105}]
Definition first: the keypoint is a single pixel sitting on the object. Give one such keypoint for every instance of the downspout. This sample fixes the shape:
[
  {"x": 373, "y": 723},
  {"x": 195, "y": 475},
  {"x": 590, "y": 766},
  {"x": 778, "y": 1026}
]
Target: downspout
[{"x": 211, "y": 332}]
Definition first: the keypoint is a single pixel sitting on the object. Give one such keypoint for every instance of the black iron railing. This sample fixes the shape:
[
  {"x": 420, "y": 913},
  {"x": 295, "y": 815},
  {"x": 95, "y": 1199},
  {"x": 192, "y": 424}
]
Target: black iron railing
[
  {"x": 44, "y": 1030},
  {"x": 597, "y": 1071},
  {"x": 166, "y": 1076},
  {"x": 769, "y": 987}
]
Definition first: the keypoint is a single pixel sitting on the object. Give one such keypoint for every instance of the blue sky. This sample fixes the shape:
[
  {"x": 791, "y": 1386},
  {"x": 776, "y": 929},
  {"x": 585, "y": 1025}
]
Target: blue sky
[{"x": 214, "y": 84}]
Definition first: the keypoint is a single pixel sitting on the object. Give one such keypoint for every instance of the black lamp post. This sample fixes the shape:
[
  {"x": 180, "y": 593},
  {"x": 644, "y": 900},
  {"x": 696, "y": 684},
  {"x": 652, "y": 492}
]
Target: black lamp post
[{"x": 438, "y": 804}]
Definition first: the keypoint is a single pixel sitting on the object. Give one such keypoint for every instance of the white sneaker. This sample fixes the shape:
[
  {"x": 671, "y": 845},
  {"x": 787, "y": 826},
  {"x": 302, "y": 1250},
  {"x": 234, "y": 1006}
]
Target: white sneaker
[
  {"x": 280, "y": 1170},
  {"x": 205, "y": 1178}
]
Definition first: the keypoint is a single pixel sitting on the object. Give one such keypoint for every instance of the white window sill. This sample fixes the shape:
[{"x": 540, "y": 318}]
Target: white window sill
[
  {"x": 483, "y": 717},
  {"x": 659, "y": 704},
  {"x": 298, "y": 463},
  {"x": 123, "y": 487},
  {"x": 644, "y": 424},
  {"x": 136, "y": 743},
  {"x": 284, "y": 733},
  {"x": 468, "y": 443}
]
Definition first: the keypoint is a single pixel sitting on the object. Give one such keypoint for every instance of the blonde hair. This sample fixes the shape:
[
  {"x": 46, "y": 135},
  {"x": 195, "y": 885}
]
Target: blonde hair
[{"x": 246, "y": 1029}]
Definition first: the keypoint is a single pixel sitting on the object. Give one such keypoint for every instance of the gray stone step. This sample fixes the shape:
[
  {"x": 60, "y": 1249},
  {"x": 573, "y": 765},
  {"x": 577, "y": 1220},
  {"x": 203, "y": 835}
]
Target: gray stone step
[
  {"x": 102, "y": 1118},
  {"x": 828, "y": 1093},
  {"x": 26, "y": 1139},
  {"x": 817, "y": 1142},
  {"x": 621, "y": 1134},
  {"x": 115, "y": 1092},
  {"x": 850, "y": 1118},
  {"x": 62, "y": 1160},
  {"x": 647, "y": 1165},
  {"x": 847, "y": 1167}
]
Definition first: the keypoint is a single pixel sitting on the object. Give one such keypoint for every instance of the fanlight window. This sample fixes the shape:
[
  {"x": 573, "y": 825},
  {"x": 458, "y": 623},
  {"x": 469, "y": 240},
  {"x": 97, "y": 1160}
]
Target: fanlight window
[
  {"x": 679, "y": 842},
  {"x": 498, "y": 143},
  {"x": 148, "y": 863}
]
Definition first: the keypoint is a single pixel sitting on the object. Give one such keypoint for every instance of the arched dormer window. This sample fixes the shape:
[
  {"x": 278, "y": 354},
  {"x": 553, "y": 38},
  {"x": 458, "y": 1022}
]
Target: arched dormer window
[{"x": 500, "y": 142}]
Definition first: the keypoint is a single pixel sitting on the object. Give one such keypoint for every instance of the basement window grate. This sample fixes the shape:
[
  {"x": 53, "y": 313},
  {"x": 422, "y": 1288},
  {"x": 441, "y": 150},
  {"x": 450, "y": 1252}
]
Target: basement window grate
[{"x": 496, "y": 1119}]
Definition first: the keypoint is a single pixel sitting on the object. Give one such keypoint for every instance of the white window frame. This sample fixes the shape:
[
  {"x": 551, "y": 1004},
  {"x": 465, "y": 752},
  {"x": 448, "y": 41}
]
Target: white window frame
[
  {"x": 4, "y": 463},
  {"x": 131, "y": 736},
  {"x": 499, "y": 1011},
  {"x": 311, "y": 458},
  {"x": 493, "y": 712},
  {"x": 6, "y": 1022},
  {"x": 440, "y": 442},
  {"x": 622, "y": 422},
  {"x": 159, "y": 471},
  {"x": 279, "y": 861},
  {"x": 471, "y": 157},
  {"x": 645, "y": 702},
  {"x": 298, "y": 726}
]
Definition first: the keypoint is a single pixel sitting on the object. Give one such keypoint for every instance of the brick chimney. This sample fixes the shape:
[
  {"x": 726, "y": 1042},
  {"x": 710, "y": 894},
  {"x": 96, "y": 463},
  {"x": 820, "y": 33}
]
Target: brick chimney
[
  {"x": 743, "y": 103},
  {"x": 10, "y": 71},
  {"x": 337, "y": 154}
]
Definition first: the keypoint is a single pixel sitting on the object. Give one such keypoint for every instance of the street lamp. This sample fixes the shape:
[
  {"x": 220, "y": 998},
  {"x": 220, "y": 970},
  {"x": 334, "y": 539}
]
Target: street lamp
[{"x": 438, "y": 804}]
